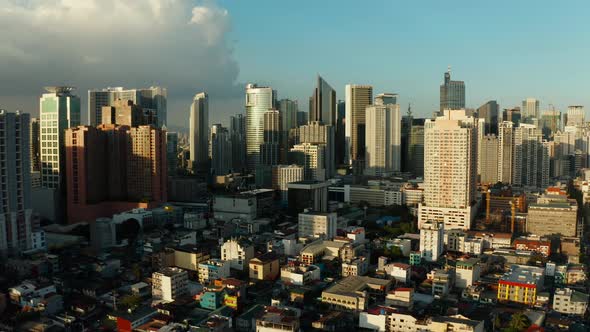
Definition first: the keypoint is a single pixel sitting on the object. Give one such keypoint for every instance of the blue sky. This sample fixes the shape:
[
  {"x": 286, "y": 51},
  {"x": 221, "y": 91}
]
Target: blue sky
[{"x": 503, "y": 50}]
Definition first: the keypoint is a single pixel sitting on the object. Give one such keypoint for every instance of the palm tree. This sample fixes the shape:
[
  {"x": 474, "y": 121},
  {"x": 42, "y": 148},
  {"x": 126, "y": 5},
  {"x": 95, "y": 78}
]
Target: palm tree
[{"x": 519, "y": 322}]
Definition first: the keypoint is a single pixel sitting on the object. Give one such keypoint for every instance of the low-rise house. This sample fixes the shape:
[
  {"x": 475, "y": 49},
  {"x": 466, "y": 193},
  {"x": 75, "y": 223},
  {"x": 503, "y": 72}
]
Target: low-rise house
[
  {"x": 569, "y": 301},
  {"x": 264, "y": 267},
  {"x": 300, "y": 275},
  {"x": 278, "y": 320},
  {"x": 355, "y": 267},
  {"x": 352, "y": 293}
]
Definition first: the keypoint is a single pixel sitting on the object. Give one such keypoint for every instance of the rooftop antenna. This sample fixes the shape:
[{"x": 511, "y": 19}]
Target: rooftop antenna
[{"x": 409, "y": 109}]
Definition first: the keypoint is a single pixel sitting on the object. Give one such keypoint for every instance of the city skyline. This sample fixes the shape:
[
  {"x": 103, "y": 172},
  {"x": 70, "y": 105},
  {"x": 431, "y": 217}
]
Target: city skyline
[{"x": 507, "y": 60}]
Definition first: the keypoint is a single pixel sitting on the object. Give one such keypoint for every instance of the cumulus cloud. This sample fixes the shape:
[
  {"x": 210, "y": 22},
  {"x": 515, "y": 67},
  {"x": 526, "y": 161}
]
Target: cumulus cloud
[{"x": 180, "y": 44}]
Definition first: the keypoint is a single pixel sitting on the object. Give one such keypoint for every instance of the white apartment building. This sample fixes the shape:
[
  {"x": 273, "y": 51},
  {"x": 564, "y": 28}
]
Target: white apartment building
[
  {"x": 382, "y": 139},
  {"x": 432, "y": 240},
  {"x": 213, "y": 269},
  {"x": 317, "y": 224},
  {"x": 238, "y": 252},
  {"x": 450, "y": 170},
  {"x": 569, "y": 301},
  {"x": 169, "y": 283}
]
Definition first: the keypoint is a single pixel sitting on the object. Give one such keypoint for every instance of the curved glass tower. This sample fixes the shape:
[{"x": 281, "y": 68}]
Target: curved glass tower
[{"x": 258, "y": 101}]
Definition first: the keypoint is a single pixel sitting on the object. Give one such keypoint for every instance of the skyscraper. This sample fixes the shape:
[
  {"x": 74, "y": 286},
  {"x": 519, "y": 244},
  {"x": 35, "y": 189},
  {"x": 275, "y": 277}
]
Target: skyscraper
[
  {"x": 415, "y": 149},
  {"x": 16, "y": 221},
  {"x": 221, "y": 150},
  {"x": 386, "y": 98},
  {"x": 450, "y": 170},
  {"x": 146, "y": 165},
  {"x": 311, "y": 157},
  {"x": 358, "y": 97},
  {"x": 152, "y": 99},
  {"x": 340, "y": 142},
  {"x": 322, "y": 106},
  {"x": 383, "y": 139},
  {"x": 488, "y": 159},
  {"x": 59, "y": 110},
  {"x": 505, "y": 152},
  {"x": 452, "y": 93},
  {"x": 270, "y": 148},
  {"x": 35, "y": 139},
  {"x": 199, "y": 131},
  {"x": 288, "y": 109},
  {"x": 111, "y": 169},
  {"x": 530, "y": 109},
  {"x": 576, "y": 116},
  {"x": 172, "y": 152},
  {"x": 489, "y": 112},
  {"x": 531, "y": 160},
  {"x": 321, "y": 134},
  {"x": 126, "y": 113},
  {"x": 237, "y": 129},
  {"x": 258, "y": 101}
]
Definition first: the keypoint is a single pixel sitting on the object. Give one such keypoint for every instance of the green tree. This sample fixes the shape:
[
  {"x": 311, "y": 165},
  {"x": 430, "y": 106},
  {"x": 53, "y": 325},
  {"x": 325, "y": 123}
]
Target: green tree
[{"x": 519, "y": 322}]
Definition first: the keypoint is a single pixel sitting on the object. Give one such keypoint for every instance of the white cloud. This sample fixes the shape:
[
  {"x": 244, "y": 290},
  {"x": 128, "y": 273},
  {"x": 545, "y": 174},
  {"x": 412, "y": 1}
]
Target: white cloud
[
  {"x": 97, "y": 43},
  {"x": 213, "y": 21}
]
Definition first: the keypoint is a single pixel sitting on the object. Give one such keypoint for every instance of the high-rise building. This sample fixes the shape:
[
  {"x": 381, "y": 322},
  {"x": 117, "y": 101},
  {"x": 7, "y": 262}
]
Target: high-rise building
[
  {"x": 311, "y": 157},
  {"x": 489, "y": 112},
  {"x": 432, "y": 240},
  {"x": 386, "y": 98},
  {"x": 35, "y": 139},
  {"x": 59, "y": 110},
  {"x": 199, "y": 131},
  {"x": 452, "y": 93},
  {"x": 152, "y": 100},
  {"x": 288, "y": 109},
  {"x": 258, "y": 101},
  {"x": 221, "y": 150},
  {"x": 16, "y": 222},
  {"x": 146, "y": 166},
  {"x": 531, "y": 158},
  {"x": 505, "y": 152},
  {"x": 97, "y": 171},
  {"x": 550, "y": 122},
  {"x": 237, "y": 130},
  {"x": 322, "y": 104},
  {"x": 530, "y": 109},
  {"x": 488, "y": 159},
  {"x": 270, "y": 148},
  {"x": 383, "y": 139},
  {"x": 415, "y": 149},
  {"x": 450, "y": 170},
  {"x": 126, "y": 113},
  {"x": 86, "y": 171},
  {"x": 282, "y": 175},
  {"x": 340, "y": 145},
  {"x": 172, "y": 152},
  {"x": 512, "y": 115},
  {"x": 317, "y": 133},
  {"x": 358, "y": 97},
  {"x": 575, "y": 116}
]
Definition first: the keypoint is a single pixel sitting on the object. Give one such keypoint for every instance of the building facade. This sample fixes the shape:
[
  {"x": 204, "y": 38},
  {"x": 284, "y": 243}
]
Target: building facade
[
  {"x": 199, "y": 130},
  {"x": 258, "y": 101},
  {"x": 383, "y": 139},
  {"x": 358, "y": 97}
]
